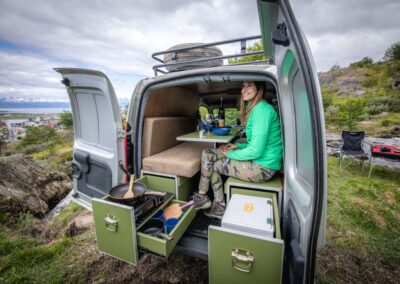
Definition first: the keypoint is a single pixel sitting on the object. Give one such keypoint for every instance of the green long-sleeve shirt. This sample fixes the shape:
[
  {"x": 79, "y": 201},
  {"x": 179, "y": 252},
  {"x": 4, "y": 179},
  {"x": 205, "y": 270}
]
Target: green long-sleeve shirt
[{"x": 264, "y": 141}]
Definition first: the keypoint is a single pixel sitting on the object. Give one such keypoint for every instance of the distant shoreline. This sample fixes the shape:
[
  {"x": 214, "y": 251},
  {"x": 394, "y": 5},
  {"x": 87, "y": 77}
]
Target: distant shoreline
[{"x": 32, "y": 110}]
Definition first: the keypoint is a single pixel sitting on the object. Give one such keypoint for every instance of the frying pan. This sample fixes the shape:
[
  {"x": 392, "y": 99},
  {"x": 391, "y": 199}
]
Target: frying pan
[
  {"x": 117, "y": 193},
  {"x": 154, "y": 227}
]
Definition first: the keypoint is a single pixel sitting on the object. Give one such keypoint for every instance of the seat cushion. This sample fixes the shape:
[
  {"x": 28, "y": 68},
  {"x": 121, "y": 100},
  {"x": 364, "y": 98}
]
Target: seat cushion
[
  {"x": 159, "y": 133},
  {"x": 180, "y": 160}
]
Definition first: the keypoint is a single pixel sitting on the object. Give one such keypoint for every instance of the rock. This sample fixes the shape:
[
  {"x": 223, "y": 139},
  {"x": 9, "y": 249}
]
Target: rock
[
  {"x": 84, "y": 222},
  {"x": 26, "y": 187},
  {"x": 359, "y": 93},
  {"x": 79, "y": 225}
]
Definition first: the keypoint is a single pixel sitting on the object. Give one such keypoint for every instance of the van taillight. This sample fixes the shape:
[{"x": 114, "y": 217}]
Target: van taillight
[{"x": 128, "y": 150}]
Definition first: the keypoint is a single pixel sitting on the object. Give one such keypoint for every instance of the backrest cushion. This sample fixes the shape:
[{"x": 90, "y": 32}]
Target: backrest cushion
[{"x": 159, "y": 133}]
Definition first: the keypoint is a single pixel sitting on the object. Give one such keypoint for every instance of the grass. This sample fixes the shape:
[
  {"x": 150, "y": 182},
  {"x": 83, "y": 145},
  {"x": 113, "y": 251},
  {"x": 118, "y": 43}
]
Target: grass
[
  {"x": 364, "y": 224},
  {"x": 47, "y": 257}
]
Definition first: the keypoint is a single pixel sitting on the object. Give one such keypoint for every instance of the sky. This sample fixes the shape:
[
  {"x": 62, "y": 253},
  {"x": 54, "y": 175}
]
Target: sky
[{"x": 118, "y": 37}]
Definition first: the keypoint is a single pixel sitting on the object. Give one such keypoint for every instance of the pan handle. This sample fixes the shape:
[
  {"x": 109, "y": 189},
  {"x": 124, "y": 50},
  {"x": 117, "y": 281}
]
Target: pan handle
[
  {"x": 121, "y": 165},
  {"x": 159, "y": 193},
  {"x": 165, "y": 236}
]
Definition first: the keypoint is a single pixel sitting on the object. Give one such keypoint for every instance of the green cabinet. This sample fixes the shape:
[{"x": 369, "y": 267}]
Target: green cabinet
[
  {"x": 239, "y": 257},
  {"x": 236, "y": 256},
  {"x": 118, "y": 234},
  {"x": 182, "y": 187},
  {"x": 115, "y": 230}
]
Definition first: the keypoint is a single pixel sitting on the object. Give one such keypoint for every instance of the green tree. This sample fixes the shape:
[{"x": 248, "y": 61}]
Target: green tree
[
  {"x": 350, "y": 112},
  {"x": 393, "y": 52},
  {"x": 66, "y": 119},
  {"x": 39, "y": 135},
  {"x": 255, "y": 47}
]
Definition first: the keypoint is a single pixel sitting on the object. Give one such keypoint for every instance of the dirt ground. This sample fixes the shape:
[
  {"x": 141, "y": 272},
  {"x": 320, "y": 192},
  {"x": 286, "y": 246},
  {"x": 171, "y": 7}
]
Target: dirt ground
[{"x": 151, "y": 269}]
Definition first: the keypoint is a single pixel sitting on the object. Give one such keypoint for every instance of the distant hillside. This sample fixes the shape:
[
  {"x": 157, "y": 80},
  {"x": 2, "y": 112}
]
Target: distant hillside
[{"x": 363, "y": 96}]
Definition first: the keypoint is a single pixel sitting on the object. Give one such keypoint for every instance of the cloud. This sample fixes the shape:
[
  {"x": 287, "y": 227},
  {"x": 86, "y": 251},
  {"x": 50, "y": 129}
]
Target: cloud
[{"x": 118, "y": 37}]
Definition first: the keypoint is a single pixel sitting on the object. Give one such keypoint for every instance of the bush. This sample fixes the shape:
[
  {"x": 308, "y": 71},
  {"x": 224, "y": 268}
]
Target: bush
[
  {"x": 39, "y": 135},
  {"x": 393, "y": 52},
  {"x": 66, "y": 119},
  {"x": 378, "y": 105},
  {"x": 363, "y": 62}
]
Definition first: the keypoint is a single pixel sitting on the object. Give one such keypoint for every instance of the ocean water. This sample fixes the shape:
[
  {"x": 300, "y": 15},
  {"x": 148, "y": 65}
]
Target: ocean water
[{"x": 33, "y": 110}]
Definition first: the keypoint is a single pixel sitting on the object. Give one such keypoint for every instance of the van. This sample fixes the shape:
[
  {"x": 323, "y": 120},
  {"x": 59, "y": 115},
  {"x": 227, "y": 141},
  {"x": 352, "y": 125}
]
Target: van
[{"x": 156, "y": 147}]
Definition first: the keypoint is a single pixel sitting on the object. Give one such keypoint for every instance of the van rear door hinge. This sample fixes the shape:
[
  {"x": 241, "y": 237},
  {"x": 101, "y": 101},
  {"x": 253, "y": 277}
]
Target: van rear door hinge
[{"x": 280, "y": 36}]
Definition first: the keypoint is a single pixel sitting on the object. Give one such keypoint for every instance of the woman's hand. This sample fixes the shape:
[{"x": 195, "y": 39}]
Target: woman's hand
[{"x": 227, "y": 147}]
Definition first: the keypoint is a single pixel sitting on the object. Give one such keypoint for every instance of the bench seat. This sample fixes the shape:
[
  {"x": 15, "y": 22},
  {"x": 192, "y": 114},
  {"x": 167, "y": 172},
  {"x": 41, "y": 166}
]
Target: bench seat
[{"x": 180, "y": 160}]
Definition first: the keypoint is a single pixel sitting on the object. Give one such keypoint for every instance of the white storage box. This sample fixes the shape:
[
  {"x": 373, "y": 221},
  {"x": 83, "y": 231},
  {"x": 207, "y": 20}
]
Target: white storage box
[{"x": 250, "y": 214}]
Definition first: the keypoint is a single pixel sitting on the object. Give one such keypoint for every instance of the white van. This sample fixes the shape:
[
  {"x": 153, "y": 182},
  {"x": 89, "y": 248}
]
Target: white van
[{"x": 162, "y": 110}]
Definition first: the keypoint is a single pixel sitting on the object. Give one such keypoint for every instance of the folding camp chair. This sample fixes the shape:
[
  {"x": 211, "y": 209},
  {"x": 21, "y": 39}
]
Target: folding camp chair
[{"x": 352, "y": 147}]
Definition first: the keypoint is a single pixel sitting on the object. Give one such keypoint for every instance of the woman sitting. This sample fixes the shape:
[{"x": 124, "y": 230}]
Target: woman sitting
[{"x": 255, "y": 161}]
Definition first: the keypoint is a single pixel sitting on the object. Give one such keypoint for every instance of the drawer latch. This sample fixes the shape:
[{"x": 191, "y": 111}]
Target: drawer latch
[
  {"x": 242, "y": 259},
  {"x": 111, "y": 223}
]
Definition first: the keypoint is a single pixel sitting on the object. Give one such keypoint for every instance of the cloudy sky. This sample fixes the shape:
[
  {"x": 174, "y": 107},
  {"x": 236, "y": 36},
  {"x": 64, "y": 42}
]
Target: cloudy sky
[{"x": 118, "y": 37}]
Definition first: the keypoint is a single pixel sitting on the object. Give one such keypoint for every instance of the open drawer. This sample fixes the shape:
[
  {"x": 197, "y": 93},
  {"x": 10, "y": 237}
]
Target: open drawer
[
  {"x": 162, "y": 246},
  {"x": 118, "y": 234}
]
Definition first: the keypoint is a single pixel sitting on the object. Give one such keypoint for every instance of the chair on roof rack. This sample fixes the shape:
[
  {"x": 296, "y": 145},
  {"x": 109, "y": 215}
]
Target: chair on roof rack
[{"x": 352, "y": 147}]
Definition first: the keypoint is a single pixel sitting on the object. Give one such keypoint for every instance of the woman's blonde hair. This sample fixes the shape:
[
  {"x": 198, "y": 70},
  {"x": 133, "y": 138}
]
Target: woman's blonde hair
[{"x": 245, "y": 111}]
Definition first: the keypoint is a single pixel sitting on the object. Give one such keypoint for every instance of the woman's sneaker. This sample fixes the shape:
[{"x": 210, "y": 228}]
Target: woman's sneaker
[
  {"x": 201, "y": 201},
  {"x": 216, "y": 211}
]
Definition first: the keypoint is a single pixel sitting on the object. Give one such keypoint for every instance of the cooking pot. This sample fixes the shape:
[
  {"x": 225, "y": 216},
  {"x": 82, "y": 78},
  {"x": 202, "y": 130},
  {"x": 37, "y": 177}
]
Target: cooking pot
[{"x": 154, "y": 227}]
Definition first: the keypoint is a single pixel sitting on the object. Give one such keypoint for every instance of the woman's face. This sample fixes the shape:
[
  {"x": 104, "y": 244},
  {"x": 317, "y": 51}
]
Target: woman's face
[{"x": 249, "y": 91}]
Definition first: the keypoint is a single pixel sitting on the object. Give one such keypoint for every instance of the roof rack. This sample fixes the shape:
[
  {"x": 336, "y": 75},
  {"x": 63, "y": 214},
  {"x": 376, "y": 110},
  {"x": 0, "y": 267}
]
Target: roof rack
[{"x": 243, "y": 53}]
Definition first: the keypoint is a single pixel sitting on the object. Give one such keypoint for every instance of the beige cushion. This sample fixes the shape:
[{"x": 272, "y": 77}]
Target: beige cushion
[
  {"x": 181, "y": 160},
  {"x": 159, "y": 133}
]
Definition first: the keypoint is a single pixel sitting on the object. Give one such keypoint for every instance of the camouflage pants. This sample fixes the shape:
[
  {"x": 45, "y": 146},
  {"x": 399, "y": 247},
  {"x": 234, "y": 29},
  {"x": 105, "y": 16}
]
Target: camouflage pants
[{"x": 214, "y": 163}]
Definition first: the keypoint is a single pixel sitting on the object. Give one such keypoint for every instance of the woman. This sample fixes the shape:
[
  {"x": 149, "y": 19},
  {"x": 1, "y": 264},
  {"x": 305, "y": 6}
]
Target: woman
[{"x": 255, "y": 161}]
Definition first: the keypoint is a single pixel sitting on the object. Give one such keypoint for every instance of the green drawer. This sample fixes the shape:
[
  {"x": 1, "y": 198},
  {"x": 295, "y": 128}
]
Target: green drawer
[
  {"x": 162, "y": 246},
  {"x": 182, "y": 187},
  {"x": 115, "y": 230},
  {"x": 239, "y": 257},
  {"x": 118, "y": 236},
  {"x": 159, "y": 183}
]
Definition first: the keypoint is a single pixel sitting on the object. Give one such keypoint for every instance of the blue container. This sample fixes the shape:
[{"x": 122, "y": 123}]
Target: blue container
[
  {"x": 207, "y": 127},
  {"x": 171, "y": 223},
  {"x": 222, "y": 131}
]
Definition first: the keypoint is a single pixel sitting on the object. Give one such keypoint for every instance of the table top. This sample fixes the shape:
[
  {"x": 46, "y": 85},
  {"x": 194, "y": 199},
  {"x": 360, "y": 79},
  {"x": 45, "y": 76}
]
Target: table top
[{"x": 209, "y": 137}]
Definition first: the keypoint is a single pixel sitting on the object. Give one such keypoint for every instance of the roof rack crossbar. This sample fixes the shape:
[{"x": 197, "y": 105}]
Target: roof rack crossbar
[
  {"x": 243, "y": 53},
  {"x": 157, "y": 67}
]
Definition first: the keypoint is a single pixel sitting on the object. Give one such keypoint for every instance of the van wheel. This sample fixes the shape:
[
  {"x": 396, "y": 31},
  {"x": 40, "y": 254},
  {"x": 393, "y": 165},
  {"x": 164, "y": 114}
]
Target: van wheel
[{"x": 192, "y": 54}]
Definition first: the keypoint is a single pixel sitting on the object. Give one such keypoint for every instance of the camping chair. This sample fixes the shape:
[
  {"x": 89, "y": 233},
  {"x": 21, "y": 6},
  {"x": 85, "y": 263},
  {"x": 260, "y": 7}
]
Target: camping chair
[{"x": 352, "y": 146}]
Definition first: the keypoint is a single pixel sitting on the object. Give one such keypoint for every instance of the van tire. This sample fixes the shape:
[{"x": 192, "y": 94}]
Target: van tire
[{"x": 192, "y": 54}]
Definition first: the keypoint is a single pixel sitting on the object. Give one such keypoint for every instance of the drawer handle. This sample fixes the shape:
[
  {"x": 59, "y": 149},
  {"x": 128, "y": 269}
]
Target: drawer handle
[
  {"x": 242, "y": 259},
  {"x": 111, "y": 223}
]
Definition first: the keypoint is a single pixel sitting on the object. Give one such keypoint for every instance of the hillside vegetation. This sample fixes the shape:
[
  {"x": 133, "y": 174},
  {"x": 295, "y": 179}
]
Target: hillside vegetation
[{"x": 363, "y": 96}]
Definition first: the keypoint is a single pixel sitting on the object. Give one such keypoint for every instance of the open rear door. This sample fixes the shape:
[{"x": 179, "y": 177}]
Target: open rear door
[
  {"x": 305, "y": 185},
  {"x": 98, "y": 133}
]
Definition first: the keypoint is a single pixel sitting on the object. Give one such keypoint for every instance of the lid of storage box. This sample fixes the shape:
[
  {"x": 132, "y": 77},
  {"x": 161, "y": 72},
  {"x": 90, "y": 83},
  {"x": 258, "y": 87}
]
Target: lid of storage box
[{"x": 250, "y": 214}]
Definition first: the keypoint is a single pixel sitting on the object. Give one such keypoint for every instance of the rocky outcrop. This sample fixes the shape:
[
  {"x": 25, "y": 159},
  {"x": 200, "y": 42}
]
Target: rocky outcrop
[
  {"x": 345, "y": 81},
  {"x": 27, "y": 187}
]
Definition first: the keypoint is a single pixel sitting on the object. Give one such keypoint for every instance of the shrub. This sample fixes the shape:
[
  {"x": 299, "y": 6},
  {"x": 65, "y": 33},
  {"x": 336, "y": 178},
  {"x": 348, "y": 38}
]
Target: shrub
[
  {"x": 393, "y": 52},
  {"x": 363, "y": 62}
]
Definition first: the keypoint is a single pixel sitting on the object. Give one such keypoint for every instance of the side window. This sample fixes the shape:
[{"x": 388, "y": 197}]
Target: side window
[
  {"x": 304, "y": 145},
  {"x": 231, "y": 115}
]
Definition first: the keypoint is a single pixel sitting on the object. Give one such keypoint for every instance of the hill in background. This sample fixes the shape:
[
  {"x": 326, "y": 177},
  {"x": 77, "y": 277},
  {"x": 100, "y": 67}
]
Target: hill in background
[{"x": 363, "y": 96}]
